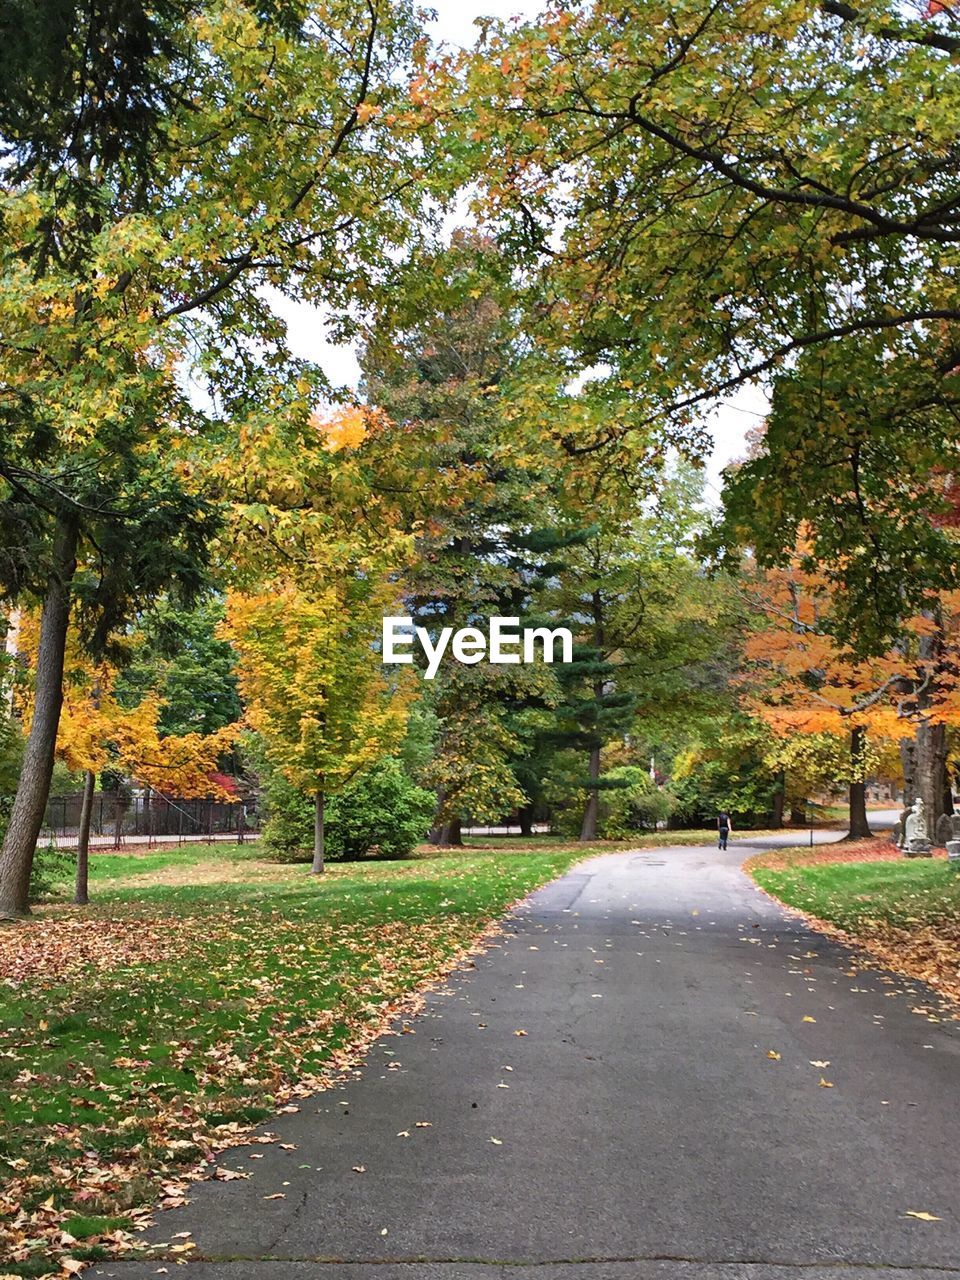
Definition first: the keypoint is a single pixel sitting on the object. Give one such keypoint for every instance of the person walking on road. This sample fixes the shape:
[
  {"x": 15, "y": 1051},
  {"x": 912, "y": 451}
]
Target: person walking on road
[{"x": 724, "y": 827}]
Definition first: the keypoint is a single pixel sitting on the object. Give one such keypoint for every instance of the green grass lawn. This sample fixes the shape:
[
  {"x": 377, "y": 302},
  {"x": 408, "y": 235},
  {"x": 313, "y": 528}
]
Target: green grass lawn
[
  {"x": 904, "y": 893},
  {"x": 904, "y": 912},
  {"x": 201, "y": 989}
]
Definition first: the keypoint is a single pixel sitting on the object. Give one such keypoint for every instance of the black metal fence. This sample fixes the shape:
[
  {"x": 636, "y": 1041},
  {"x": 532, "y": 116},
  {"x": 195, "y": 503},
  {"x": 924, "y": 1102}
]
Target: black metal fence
[{"x": 119, "y": 817}]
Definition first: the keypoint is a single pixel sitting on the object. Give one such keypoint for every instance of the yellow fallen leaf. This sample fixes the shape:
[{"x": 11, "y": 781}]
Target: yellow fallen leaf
[
  {"x": 922, "y": 1215},
  {"x": 424, "y": 1124},
  {"x": 807, "y": 1018},
  {"x": 773, "y": 1055},
  {"x": 404, "y": 1133},
  {"x": 277, "y": 1195},
  {"x": 497, "y": 1142},
  {"x": 359, "y": 1168},
  {"x": 519, "y": 1033},
  {"x": 825, "y": 1084},
  {"x": 816, "y": 1062}
]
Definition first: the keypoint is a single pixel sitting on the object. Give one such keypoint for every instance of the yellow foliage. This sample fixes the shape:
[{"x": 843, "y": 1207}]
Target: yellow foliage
[{"x": 95, "y": 731}]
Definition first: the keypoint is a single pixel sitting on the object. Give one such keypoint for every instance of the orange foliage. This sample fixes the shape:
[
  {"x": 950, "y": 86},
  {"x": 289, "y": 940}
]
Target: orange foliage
[{"x": 96, "y": 731}]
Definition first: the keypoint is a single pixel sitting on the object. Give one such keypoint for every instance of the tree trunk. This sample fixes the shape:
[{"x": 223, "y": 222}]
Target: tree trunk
[
  {"x": 776, "y": 817},
  {"x": 317, "y": 868},
  {"x": 924, "y": 757},
  {"x": 33, "y": 789},
  {"x": 81, "y": 897},
  {"x": 450, "y": 835},
  {"x": 859, "y": 826},
  {"x": 931, "y": 779},
  {"x": 526, "y": 820},
  {"x": 588, "y": 828}
]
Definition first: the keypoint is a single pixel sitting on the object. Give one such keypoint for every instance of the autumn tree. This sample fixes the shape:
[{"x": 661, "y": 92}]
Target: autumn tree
[
  {"x": 801, "y": 680},
  {"x": 702, "y": 197},
  {"x": 99, "y": 729},
  {"x": 136, "y": 265},
  {"x": 743, "y": 194},
  {"x": 312, "y": 680}
]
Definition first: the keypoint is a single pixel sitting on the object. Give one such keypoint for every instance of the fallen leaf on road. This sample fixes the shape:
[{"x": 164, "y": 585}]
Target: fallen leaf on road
[
  {"x": 807, "y": 1018},
  {"x": 825, "y": 1084},
  {"x": 519, "y": 1033},
  {"x": 922, "y": 1215},
  {"x": 772, "y": 1054},
  {"x": 816, "y": 1062},
  {"x": 424, "y": 1124},
  {"x": 277, "y": 1195},
  {"x": 404, "y": 1133},
  {"x": 497, "y": 1142},
  {"x": 359, "y": 1168}
]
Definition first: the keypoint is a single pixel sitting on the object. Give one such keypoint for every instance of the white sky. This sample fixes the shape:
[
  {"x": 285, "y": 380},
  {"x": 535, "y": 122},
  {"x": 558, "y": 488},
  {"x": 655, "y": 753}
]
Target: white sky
[{"x": 307, "y": 330}]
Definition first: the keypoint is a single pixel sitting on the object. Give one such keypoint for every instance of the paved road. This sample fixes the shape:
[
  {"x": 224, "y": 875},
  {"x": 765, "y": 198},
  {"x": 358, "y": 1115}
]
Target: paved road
[{"x": 644, "y": 1134}]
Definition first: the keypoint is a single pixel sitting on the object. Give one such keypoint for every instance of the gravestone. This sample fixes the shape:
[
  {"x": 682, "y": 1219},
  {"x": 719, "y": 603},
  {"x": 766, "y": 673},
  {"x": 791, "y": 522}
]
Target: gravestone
[
  {"x": 916, "y": 842},
  {"x": 944, "y": 831}
]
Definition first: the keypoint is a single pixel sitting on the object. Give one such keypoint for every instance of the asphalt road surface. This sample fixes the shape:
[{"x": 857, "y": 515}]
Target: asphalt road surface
[{"x": 661, "y": 1117}]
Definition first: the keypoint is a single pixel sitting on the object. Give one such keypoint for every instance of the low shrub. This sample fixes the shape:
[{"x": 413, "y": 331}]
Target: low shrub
[{"x": 381, "y": 814}]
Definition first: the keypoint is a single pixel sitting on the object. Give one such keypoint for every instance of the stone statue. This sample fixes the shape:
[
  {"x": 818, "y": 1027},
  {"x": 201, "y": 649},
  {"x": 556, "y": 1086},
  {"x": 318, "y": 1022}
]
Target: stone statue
[
  {"x": 916, "y": 824},
  {"x": 916, "y": 842}
]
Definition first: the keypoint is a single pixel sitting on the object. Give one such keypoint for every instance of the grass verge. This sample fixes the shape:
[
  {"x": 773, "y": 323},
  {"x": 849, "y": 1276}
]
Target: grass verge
[
  {"x": 201, "y": 991},
  {"x": 904, "y": 912}
]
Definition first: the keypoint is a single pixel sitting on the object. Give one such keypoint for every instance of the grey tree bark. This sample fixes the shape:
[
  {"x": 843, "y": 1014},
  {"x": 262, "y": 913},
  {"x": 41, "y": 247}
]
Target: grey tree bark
[
  {"x": 30, "y": 802},
  {"x": 81, "y": 895},
  {"x": 450, "y": 835},
  {"x": 316, "y": 868}
]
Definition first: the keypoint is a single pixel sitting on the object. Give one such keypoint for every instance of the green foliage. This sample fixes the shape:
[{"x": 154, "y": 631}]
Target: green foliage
[
  {"x": 380, "y": 813},
  {"x": 177, "y": 655},
  {"x": 11, "y": 755},
  {"x": 724, "y": 770},
  {"x": 629, "y": 801},
  {"x": 288, "y": 817},
  {"x": 52, "y": 869},
  {"x": 855, "y": 464},
  {"x": 639, "y": 806}
]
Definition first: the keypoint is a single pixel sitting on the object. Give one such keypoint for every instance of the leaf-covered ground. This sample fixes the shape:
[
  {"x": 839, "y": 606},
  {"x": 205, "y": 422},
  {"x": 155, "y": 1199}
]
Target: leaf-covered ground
[
  {"x": 202, "y": 991},
  {"x": 904, "y": 912}
]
